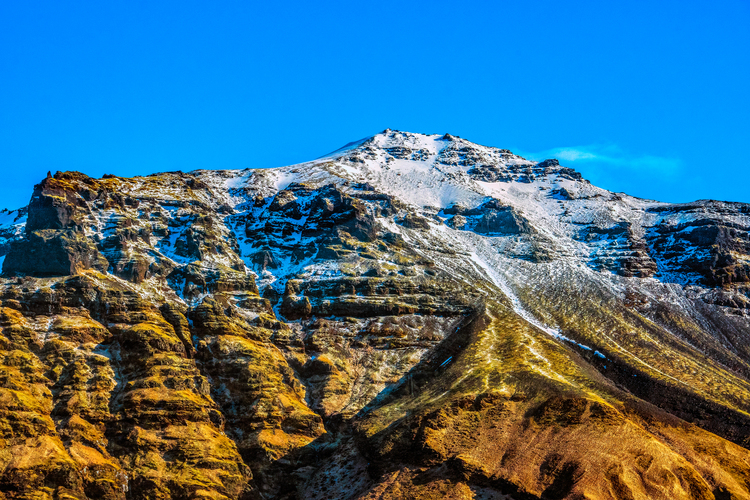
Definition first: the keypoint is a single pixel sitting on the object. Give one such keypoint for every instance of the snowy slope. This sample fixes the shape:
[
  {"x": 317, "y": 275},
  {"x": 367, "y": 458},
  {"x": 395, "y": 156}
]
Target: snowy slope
[{"x": 432, "y": 172}]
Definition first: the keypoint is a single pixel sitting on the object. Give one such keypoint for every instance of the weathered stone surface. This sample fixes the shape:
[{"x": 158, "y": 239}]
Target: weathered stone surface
[
  {"x": 710, "y": 249},
  {"x": 128, "y": 413},
  {"x": 415, "y": 222},
  {"x": 56, "y": 203},
  {"x": 490, "y": 218},
  {"x": 622, "y": 251},
  {"x": 51, "y": 252}
]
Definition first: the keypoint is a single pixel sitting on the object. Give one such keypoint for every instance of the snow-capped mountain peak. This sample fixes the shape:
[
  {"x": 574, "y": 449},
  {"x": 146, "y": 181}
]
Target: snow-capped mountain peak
[{"x": 410, "y": 311}]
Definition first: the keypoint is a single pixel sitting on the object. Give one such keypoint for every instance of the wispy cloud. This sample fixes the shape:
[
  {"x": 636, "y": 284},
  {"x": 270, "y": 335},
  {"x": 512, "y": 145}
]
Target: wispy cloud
[{"x": 610, "y": 161}]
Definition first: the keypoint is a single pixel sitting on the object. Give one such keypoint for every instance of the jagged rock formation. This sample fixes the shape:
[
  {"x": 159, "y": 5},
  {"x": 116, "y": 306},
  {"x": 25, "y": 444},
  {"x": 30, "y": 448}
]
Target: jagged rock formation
[{"x": 409, "y": 317}]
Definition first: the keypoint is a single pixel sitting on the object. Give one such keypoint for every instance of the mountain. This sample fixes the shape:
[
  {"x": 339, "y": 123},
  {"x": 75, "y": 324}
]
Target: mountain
[{"x": 411, "y": 316}]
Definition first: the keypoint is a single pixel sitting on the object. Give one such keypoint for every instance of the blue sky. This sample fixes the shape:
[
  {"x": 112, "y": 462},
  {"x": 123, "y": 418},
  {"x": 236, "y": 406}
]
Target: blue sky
[{"x": 650, "y": 98}]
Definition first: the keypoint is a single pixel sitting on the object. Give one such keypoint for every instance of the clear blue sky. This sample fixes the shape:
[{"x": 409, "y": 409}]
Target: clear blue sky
[{"x": 651, "y": 98}]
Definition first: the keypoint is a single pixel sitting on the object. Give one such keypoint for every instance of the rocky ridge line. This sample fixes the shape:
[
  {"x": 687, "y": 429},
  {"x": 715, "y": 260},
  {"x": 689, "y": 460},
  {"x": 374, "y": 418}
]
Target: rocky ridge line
[{"x": 410, "y": 316}]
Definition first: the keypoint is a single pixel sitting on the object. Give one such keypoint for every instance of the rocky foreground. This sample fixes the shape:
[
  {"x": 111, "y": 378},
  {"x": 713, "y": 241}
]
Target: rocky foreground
[{"x": 411, "y": 316}]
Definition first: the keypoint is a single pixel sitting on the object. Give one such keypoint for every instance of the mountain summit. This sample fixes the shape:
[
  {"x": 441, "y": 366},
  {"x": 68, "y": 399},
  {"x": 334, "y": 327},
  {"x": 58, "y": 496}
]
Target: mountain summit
[{"x": 410, "y": 316}]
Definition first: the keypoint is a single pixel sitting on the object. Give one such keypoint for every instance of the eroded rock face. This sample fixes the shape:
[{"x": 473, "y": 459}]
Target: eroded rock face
[
  {"x": 516, "y": 173},
  {"x": 709, "y": 248},
  {"x": 119, "y": 401},
  {"x": 620, "y": 251},
  {"x": 56, "y": 203},
  {"x": 413, "y": 316},
  {"x": 53, "y": 253},
  {"x": 490, "y": 218}
]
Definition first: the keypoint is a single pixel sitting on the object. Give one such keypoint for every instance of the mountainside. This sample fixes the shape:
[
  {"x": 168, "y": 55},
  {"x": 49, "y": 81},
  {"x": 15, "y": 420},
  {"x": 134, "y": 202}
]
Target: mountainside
[{"x": 411, "y": 316}]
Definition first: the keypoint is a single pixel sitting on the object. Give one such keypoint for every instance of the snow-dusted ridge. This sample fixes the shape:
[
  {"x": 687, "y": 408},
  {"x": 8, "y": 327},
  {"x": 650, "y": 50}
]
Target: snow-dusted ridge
[
  {"x": 447, "y": 180},
  {"x": 565, "y": 217},
  {"x": 434, "y": 172},
  {"x": 588, "y": 232}
]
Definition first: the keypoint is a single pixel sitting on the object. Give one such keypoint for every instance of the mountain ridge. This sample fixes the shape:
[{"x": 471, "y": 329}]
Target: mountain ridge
[{"x": 409, "y": 316}]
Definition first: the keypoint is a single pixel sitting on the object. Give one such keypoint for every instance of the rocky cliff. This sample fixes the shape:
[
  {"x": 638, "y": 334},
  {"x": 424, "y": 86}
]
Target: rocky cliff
[{"x": 411, "y": 316}]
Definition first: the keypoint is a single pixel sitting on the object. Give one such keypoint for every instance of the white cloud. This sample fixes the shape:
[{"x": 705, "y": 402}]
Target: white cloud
[
  {"x": 610, "y": 161},
  {"x": 572, "y": 154}
]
